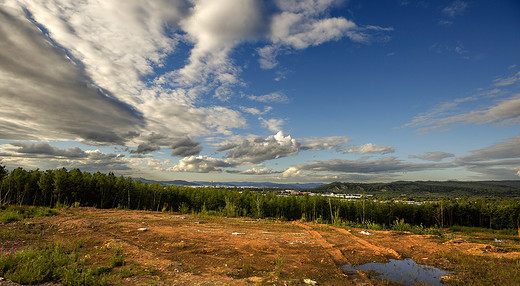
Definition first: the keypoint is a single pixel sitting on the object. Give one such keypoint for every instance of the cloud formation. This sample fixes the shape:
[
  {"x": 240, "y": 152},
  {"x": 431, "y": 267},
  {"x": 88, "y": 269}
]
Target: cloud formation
[
  {"x": 301, "y": 24},
  {"x": 44, "y": 155},
  {"x": 433, "y": 156},
  {"x": 259, "y": 149},
  {"x": 256, "y": 150},
  {"x": 202, "y": 164},
  {"x": 503, "y": 111},
  {"x": 335, "y": 166},
  {"x": 499, "y": 161},
  {"x": 370, "y": 148},
  {"x": 454, "y": 9},
  {"x": 260, "y": 171},
  {"x": 184, "y": 147},
  {"x": 54, "y": 99},
  {"x": 274, "y": 97}
]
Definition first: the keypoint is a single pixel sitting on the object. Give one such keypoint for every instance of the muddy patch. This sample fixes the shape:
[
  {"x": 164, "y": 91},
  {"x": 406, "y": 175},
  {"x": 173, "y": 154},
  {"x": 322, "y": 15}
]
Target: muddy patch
[{"x": 405, "y": 271}]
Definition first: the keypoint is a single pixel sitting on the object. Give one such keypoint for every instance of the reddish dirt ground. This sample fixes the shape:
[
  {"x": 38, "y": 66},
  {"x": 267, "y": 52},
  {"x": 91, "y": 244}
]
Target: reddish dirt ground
[{"x": 203, "y": 250}]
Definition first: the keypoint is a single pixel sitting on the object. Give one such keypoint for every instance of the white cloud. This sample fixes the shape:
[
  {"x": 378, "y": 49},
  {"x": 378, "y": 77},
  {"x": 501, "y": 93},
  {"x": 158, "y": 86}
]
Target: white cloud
[
  {"x": 215, "y": 28},
  {"x": 508, "y": 80},
  {"x": 337, "y": 143},
  {"x": 455, "y": 8},
  {"x": 255, "y": 171},
  {"x": 505, "y": 111},
  {"x": 451, "y": 11},
  {"x": 54, "y": 99},
  {"x": 273, "y": 124},
  {"x": 254, "y": 150},
  {"x": 201, "y": 164},
  {"x": 301, "y": 24},
  {"x": 275, "y": 97},
  {"x": 255, "y": 111},
  {"x": 258, "y": 150},
  {"x": 116, "y": 44},
  {"x": 371, "y": 148}
]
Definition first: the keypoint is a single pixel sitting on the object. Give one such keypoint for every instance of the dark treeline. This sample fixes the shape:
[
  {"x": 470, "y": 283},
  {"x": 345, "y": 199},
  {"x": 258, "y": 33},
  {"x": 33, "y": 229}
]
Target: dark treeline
[
  {"x": 55, "y": 187},
  {"x": 424, "y": 190}
]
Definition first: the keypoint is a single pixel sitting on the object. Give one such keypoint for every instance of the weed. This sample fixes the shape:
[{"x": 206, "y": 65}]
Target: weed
[
  {"x": 55, "y": 263},
  {"x": 184, "y": 208},
  {"x": 153, "y": 271},
  {"x": 476, "y": 270},
  {"x": 400, "y": 225},
  {"x": 279, "y": 261},
  {"x": 118, "y": 259},
  {"x": 10, "y": 216},
  {"x": 16, "y": 213}
]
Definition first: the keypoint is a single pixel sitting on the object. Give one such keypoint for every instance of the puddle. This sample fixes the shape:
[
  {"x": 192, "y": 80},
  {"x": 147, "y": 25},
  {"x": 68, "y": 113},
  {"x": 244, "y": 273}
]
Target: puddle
[{"x": 402, "y": 271}]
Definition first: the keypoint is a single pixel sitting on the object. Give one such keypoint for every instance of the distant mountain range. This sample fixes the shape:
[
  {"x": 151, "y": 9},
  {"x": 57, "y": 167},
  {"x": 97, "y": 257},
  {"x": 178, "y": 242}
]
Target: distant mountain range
[{"x": 268, "y": 185}]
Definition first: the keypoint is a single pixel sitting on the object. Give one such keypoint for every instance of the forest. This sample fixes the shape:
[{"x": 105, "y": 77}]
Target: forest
[{"x": 63, "y": 187}]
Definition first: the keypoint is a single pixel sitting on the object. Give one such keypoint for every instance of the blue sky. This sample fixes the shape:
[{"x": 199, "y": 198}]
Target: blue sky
[{"x": 245, "y": 90}]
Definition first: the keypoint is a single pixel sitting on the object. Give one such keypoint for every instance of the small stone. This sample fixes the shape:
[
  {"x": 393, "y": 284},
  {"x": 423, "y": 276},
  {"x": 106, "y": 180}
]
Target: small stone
[{"x": 142, "y": 229}]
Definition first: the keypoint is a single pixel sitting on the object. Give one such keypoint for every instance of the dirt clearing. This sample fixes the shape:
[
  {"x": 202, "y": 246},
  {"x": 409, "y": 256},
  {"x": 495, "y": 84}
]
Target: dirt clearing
[{"x": 164, "y": 248}]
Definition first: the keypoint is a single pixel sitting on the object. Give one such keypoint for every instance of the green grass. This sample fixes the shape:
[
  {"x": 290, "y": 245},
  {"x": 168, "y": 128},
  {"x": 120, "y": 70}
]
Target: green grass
[
  {"x": 118, "y": 259},
  {"x": 482, "y": 270},
  {"x": 57, "y": 263},
  {"x": 16, "y": 213}
]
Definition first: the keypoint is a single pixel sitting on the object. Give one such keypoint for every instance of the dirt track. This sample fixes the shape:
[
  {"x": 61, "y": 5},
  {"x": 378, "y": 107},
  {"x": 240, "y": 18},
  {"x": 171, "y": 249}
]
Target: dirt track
[{"x": 196, "y": 250}]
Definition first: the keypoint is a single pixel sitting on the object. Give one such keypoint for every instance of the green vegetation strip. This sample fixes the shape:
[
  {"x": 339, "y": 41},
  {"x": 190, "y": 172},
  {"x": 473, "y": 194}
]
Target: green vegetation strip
[
  {"x": 59, "y": 263},
  {"x": 16, "y": 213}
]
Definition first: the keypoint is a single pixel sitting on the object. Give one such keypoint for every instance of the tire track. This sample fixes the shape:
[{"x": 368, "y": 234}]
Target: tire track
[
  {"x": 378, "y": 250},
  {"x": 336, "y": 254},
  {"x": 338, "y": 257}
]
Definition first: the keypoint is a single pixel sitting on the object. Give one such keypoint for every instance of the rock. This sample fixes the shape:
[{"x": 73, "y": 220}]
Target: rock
[
  {"x": 310, "y": 282},
  {"x": 142, "y": 229}
]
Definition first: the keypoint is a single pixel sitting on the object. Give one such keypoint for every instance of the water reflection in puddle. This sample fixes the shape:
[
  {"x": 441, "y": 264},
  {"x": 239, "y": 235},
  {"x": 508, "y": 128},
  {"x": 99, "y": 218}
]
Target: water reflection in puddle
[{"x": 403, "y": 271}]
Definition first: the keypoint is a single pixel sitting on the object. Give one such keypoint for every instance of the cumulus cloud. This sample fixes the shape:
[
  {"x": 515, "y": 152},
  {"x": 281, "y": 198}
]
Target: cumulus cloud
[
  {"x": 259, "y": 149},
  {"x": 202, "y": 164},
  {"x": 273, "y": 124},
  {"x": 185, "y": 147},
  {"x": 215, "y": 28},
  {"x": 433, "y": 156},
  {"x": 301, "y": 24},
  {"x": 99, "y": 72},
  {"x": 254, "y": 149},
  {"x": 255, "y": 171},
  {"x": 370, "y": 148}
]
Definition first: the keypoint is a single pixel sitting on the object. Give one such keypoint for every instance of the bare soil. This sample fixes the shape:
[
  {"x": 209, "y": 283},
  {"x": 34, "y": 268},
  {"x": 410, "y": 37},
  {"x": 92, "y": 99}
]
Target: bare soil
[{"x": 179, "y": 249}]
